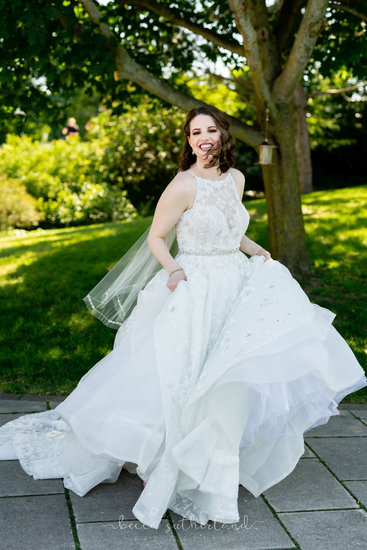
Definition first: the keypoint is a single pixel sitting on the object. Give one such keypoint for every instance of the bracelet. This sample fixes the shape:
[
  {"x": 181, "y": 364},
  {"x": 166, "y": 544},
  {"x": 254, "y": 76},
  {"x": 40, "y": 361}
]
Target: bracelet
[
  {"x": 261, "y": 248},
  {"x": 175, "y": 271}
]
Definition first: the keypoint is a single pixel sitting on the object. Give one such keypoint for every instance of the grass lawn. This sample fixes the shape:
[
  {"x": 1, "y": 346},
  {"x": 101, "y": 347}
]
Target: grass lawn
[{"x": 48, "y": 339}]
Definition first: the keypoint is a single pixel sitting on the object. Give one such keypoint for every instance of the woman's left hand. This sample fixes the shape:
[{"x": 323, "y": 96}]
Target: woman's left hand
[{"x": 263, "y": 252}]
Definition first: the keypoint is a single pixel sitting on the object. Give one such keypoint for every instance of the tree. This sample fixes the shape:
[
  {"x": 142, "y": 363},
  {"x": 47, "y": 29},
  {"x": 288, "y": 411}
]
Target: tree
[
  {"x": 147, "y": 44},
  {"x": 340, "y": 50}
]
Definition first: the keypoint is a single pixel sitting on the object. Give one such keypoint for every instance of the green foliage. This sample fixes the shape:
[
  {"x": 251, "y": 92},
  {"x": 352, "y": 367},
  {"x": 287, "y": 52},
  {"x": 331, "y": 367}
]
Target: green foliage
[
  {"x": 65, "y": 178},
  {"x": 69, "y": 55},
  {"x": 336, "y": 120},
  {"x": 337, "y": 130},
  {"x": 142, "y": 147},
  {"x": 17, "y": 207},
  {"x": 141, "y": 150},
  {"x": 45, "y": 274},
  {"x": 342, "y": 43},
  {"x": 126, "y": 159},
  {"x": 68, "y": 52}
]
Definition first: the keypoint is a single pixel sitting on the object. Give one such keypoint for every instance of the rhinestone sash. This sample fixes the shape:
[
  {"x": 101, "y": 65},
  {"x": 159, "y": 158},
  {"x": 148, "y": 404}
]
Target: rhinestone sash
[{"x": 213, "y": 252}]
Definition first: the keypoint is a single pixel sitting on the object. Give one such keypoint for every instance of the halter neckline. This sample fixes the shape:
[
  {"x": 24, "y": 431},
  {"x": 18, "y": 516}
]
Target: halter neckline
[{"x": 208, "y": 179}]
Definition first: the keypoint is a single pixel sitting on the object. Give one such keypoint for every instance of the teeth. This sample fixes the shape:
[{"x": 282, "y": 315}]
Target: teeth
[{"x": 205, "y": 146}]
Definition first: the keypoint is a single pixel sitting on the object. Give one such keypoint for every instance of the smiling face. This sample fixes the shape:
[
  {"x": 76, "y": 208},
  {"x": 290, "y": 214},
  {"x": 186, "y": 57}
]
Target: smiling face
[{"x": 204, "y": 135}]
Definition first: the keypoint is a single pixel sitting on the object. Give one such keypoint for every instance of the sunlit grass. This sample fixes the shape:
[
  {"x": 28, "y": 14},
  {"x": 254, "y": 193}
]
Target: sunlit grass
[
  {"x": 337, "y": 240},
  {"x": 48, "y": 339}
]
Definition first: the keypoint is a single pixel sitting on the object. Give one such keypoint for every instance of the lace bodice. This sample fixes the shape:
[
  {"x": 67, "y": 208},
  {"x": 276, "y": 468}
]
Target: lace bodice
[{"x": 217, "y": 219}]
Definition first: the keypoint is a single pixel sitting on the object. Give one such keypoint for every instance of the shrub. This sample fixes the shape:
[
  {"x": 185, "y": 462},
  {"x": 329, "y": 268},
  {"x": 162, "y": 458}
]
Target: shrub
[
  {"x": 17, "y": 207},
  {"x": 141, "y": 150},
  {"x": 66, "y": 179}
]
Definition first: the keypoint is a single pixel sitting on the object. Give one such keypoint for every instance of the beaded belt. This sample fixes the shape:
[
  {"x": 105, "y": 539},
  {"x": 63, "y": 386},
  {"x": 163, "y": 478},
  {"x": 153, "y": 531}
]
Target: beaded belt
[{"x": 214, "y": 252}]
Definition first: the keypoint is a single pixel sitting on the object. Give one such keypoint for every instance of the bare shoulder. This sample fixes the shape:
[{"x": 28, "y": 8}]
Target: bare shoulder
[
  {"x": 180, "y": 190},
  {"x": 237, "y": 175},
  {"x": 183, "y": 185},
  {"x": 183, "y": 179},
  {"x": 239, "y": 180}
]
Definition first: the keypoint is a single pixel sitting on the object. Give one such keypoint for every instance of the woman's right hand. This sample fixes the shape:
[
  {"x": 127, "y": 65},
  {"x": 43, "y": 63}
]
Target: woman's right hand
[{"x": 175, "y": 278}]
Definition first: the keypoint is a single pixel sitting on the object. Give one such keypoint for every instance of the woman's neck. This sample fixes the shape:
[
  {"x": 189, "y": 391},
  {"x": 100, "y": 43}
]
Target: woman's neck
[{"x": 199, "y": 168}]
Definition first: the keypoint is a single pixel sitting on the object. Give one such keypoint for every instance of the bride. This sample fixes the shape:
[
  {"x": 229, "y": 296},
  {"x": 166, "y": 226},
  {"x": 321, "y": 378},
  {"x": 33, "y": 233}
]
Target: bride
[{"x": 218, "y": 368}]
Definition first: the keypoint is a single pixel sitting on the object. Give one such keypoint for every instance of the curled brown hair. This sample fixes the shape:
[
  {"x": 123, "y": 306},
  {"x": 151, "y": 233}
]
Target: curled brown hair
[{"x": 222, "y": 155}]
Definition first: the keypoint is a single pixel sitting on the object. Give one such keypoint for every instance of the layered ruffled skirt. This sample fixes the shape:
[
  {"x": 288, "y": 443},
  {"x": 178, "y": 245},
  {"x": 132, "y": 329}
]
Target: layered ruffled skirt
[{"x": 207, "y": 387}]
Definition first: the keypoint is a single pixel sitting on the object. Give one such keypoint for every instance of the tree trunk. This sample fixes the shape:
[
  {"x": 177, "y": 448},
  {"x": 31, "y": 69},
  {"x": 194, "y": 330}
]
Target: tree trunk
[
  {"x": 287, "y": 240},
  {"x": 303, "y": 148}
]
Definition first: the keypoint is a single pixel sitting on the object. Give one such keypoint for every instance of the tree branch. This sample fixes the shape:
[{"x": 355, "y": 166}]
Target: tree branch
[
  {"x": 268, "y": 48},
  {"x": 339, "y": 90},
  {"x": 243, "y": 89},
  {"x": 287, "y": 16},
  {"x": 128, "y": 69},
  {"x": 274, "y": 8},
  {"x": 238, "y": 81},
  {"x": 246, "y": 28},
  {"x": 303, "y": 44},
  {"x": 223, "y": 79},
  {"x": 96, "y": 16},
  {"x": 343, "y": 7},
  {"x": 138, "y": 74},
  {"x": 177, "y": 19}
]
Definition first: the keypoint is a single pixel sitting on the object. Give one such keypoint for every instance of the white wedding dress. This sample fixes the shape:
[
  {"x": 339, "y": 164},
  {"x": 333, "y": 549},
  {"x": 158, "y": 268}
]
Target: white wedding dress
[{"x": 207, "y": 387}]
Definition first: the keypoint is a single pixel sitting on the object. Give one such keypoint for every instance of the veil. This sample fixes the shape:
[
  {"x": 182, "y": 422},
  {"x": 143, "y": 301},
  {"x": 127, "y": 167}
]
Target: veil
[{"x": 115, "y": 296}]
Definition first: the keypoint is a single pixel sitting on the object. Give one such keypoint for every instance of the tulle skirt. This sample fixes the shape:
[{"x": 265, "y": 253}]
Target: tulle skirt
[{"x": 207, "y": 387}]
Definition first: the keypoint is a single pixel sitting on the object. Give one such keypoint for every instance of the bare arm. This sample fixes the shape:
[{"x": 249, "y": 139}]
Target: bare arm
[
  {"x": 249, "y": 246},
  {"x": 177, "y": 196}
]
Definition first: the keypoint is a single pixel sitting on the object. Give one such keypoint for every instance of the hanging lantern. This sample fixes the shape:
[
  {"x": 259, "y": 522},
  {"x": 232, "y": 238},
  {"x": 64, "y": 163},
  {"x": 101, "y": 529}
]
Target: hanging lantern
[
  {"x": 266, "y": 153},
  {"x": 266, "y": 149}
]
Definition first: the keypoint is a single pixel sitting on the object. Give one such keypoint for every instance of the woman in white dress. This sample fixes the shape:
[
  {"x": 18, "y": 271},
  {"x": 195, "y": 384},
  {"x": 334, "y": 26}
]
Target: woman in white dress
[{"x": 216, "y": 373}]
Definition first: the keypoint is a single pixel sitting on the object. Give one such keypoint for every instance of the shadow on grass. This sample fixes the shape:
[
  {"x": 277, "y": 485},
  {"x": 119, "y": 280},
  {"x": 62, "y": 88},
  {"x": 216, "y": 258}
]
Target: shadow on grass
[{"x": 58, "y": 237}]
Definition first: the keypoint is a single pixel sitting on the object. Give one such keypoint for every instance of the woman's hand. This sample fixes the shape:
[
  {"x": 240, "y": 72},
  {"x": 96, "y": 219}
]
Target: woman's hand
[
  {"x": 175, "y": 278},
  {"x": 253, "y": 249},
  {"x": 263, "y": 252}
]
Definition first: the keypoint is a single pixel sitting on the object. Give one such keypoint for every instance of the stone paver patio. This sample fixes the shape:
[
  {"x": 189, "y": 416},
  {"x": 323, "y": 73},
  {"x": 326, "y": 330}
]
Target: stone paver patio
[{"x": 321, "y": 505}]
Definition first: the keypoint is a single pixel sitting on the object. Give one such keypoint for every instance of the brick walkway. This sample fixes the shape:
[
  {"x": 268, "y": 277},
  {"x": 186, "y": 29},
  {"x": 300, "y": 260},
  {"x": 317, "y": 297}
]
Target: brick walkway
[{"x": 321, "y": 505}]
